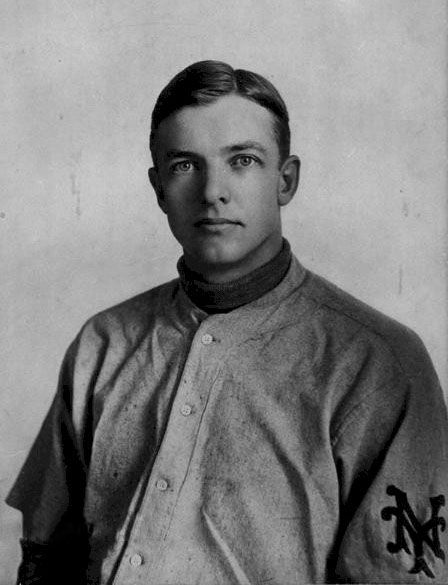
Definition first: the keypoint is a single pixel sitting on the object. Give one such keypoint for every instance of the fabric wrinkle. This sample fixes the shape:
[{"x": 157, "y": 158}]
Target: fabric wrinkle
[{"x": 238, "y": 571}]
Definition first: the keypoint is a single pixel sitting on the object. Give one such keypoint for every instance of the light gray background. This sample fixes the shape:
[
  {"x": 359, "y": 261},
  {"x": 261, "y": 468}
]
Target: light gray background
[{"x": 365, "y": 82}]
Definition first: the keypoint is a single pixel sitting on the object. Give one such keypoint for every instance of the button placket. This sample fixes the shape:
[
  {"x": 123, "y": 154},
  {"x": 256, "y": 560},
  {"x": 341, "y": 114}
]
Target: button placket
[{"x": 174, "y": 454}]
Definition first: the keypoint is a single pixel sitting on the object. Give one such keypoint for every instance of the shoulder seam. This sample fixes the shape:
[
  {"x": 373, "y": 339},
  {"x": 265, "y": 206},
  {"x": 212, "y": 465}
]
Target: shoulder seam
[
  {"x": 366, "y": 326},
  {"x": 152, "y": 291},
  {"x": 345, "y": 423}
]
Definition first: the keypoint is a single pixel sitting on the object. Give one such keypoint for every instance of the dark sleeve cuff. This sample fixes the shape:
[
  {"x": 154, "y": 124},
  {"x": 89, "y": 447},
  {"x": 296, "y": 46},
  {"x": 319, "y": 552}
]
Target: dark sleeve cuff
[{"x": 51, "y": 564}]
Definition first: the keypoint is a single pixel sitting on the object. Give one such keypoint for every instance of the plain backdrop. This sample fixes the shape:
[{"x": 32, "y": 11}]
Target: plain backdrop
[{"x": 365, "y": 82}]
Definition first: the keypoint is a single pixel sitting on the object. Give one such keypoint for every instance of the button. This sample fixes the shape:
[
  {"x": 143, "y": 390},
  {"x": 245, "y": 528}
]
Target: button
[
  {"x": 207, "y": 339},
  {"x": 162, "y": 485},
  {"x": 136, "y": 560},
  {"x": 186, "y": 409}
]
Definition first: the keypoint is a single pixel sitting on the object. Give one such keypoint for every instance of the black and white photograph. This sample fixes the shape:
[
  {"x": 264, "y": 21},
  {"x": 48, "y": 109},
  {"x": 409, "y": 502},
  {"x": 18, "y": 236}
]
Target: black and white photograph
[{"x": 224, "y": 298}]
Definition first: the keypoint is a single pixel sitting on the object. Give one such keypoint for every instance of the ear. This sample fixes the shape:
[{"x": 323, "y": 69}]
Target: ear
[
  {"x": 154, "y": 180},
  {"x": 288, "y": 179}
]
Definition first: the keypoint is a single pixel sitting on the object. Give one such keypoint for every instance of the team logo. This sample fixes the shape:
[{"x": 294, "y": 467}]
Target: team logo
[{"x": 409, "y": 532}]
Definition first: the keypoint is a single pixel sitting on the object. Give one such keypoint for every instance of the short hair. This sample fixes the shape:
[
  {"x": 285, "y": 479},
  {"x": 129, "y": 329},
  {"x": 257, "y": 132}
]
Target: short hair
[{"x": 204, "y": 82}]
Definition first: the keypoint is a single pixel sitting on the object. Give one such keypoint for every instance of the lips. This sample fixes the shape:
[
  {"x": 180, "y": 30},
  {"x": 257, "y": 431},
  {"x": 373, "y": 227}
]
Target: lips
[{"x": 207, "y": 221}]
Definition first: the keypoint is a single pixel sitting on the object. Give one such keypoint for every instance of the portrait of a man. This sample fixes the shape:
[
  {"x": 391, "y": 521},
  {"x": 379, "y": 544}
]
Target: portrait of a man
[{"x": 248, "y": 419}]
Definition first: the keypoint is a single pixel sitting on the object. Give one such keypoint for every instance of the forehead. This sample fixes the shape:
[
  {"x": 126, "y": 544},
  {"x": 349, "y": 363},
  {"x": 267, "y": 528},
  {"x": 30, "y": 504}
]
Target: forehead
[{"x": 229, "y": 120}]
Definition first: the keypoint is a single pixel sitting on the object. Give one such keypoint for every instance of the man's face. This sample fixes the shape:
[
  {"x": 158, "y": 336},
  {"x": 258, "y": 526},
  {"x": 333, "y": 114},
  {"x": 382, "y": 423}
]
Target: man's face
[{"x": 219, "y": 181}]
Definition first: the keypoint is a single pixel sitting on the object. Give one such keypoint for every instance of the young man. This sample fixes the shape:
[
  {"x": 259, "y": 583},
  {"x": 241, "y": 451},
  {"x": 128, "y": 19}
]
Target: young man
[{"x": 248, "y": 422}]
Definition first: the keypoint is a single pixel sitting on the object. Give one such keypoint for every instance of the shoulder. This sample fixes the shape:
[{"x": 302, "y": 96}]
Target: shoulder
[
  {"x": 355, "y": 327},
  {"x": 376, "y": 369},
  {"x": 128, "y": 320},
  {"x": 139, "y": 306}
]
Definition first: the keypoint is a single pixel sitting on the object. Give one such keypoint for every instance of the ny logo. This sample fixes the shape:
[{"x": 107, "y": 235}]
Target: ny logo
[{"x": 418, "y": 533}]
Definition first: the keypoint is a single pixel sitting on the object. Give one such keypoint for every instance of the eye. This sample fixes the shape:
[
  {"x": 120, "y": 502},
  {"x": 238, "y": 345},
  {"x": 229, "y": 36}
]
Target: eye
[
  {"x": 183, "y": 166},
  {"x": 244, "y": 160}
]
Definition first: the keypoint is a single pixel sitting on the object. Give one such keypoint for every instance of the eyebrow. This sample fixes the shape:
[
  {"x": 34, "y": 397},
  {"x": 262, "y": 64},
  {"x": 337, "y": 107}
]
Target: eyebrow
[
  {"x": 248, "y": 145},
  {"x": 179, "y": 154},
  {"x": 240, "y": 146}
]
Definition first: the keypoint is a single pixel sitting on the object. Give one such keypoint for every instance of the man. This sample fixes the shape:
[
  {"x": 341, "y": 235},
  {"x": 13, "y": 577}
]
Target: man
[{"x": 248, "y": 422}]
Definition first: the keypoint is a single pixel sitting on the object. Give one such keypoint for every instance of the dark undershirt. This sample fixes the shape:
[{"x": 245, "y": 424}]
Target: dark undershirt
[{"x": 226, "y": 296}]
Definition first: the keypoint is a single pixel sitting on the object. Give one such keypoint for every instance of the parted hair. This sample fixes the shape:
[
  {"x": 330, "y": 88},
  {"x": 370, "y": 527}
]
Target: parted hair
[{"x": 204, "y": 82}]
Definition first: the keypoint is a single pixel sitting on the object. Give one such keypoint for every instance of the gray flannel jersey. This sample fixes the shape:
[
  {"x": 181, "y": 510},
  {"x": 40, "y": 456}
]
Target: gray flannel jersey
[{"x": 301, "y": 438}]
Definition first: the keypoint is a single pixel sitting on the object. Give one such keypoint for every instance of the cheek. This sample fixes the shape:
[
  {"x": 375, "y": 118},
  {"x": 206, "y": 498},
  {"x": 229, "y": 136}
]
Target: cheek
[
  {"x": 263, "y": 201},
  {"x": 180, "y": 196},
  {"x": 262, "y": 184}
]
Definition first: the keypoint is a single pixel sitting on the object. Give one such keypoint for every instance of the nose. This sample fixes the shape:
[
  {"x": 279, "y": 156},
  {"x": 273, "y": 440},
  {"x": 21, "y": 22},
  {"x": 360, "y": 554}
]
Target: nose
[{"x": 214, "y": 187}]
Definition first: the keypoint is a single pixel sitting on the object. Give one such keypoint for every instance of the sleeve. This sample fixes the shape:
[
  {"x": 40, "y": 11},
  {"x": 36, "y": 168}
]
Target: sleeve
[
  {"x": 391, "y": 453},
  {"x": 49, "y": 491}
]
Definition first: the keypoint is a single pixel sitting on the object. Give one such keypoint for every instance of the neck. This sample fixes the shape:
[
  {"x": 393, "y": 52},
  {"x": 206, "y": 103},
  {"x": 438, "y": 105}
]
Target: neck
[
  {"x": 223, "y": 273},
  {"x": 221, "y": 297}
]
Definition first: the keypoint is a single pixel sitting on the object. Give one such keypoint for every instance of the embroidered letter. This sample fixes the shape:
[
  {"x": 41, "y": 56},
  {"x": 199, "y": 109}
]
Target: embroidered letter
[{"x": 408, "y": 530}]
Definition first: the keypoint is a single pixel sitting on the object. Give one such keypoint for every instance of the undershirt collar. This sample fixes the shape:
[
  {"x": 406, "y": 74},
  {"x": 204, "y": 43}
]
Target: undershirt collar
[{"x": 226, "y": 296}]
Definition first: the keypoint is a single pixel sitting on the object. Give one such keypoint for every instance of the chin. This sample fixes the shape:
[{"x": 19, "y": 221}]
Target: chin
[
  {"x": 216, "y": 257},
  {"x": 219, "y": 260}
]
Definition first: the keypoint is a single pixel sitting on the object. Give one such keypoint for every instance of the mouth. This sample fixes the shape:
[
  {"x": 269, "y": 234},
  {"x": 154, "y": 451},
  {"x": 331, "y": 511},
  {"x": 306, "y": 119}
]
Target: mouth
[{"x": 217, "y": 221}]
